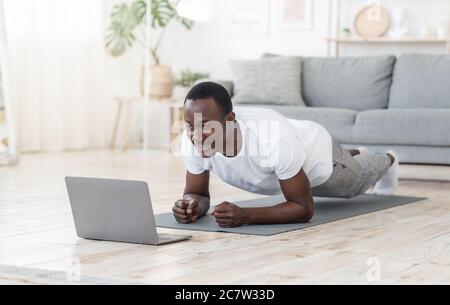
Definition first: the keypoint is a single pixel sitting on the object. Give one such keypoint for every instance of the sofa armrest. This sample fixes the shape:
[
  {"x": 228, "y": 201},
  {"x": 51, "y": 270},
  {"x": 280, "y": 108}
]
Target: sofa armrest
[{"x": 228, "y": 84}]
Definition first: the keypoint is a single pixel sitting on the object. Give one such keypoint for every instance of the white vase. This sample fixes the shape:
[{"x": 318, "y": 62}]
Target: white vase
[{"x": 399, "y": 27}]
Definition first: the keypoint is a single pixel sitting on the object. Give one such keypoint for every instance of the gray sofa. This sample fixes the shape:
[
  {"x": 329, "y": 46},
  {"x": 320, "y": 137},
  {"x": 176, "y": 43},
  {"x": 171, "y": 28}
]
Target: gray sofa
[{"x": 381, "y": 102}]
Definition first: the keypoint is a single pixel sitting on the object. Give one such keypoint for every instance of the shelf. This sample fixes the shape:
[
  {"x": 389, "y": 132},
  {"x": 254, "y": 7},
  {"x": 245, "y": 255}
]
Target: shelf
[
  {"x": 335, "y": 39},
  {"x": 389, "y": 40}
]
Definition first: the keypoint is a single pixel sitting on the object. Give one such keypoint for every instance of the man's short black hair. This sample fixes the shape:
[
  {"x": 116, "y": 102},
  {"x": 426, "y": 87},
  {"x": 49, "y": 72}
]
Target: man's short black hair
[{"x": 213, "y": 90}]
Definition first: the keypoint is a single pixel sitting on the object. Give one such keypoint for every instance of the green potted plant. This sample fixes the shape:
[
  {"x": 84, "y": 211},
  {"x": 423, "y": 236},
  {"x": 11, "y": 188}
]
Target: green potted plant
[
  {"x": 188, "y": 78},
  {"x": 185, "y": 81},
  {"x": 128, "y": 27}
]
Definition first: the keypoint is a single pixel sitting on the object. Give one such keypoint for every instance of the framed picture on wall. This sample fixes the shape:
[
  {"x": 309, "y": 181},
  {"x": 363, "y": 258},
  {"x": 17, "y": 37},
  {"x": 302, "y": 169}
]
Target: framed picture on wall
[
  {"x": 247, "y": 18},
  {"x": 292, "y": 15}
]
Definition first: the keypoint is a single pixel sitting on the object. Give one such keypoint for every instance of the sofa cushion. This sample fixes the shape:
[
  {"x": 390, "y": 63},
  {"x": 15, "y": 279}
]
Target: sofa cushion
[
  {"x": 403, "y": 127},
  {"x": 338, "y": 122},
  {"x": 350, "y": 83},
  {"x": 421, "y": 81},
  {"x": 359, "y": 83},
  {"x": 273, "y": 81}
]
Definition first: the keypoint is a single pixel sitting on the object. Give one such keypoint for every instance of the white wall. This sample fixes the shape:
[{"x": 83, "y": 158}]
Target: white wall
[{"x": 208, "y": 47}]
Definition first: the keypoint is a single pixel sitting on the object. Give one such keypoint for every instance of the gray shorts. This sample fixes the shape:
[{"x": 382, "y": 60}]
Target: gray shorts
[{"x": 352, "y": 176}]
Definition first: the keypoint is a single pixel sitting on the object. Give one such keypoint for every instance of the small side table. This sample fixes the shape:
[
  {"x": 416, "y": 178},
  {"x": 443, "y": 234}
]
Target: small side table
[{"x": 125, "y": 108}]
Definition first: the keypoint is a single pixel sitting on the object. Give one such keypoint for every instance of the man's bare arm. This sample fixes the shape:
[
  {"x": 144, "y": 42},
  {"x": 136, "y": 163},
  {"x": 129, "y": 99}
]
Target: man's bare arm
[{"x": 299, "y": 207}]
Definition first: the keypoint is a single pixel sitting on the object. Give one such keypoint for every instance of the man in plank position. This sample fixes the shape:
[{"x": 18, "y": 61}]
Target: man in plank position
[{"x": 260, "y": 151}]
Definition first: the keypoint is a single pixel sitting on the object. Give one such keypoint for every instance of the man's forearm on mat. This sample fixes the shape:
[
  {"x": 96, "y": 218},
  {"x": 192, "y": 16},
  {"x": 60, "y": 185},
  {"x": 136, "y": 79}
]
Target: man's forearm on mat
[{"x": 286, "y": 212}]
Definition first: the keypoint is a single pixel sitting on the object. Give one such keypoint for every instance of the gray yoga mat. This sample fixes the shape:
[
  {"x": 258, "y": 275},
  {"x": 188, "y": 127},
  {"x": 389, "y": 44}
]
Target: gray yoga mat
[{"x": 327, "y": 210}]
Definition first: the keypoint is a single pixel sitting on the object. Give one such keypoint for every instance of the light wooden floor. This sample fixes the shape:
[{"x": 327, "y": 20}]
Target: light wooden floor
[{"x": 38, "y": 242}]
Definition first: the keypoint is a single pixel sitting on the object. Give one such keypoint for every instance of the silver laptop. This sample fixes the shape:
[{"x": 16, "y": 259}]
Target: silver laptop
[{"x": 115, "y": 210}]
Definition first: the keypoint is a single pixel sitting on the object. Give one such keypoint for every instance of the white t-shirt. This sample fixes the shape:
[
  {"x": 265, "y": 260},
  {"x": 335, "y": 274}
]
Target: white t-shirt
[{"x": 274, "y": 148}]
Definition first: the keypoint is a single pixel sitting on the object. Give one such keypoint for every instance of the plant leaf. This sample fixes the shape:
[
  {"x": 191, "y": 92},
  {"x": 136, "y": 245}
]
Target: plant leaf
[{"x": 125, "y": 19}]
